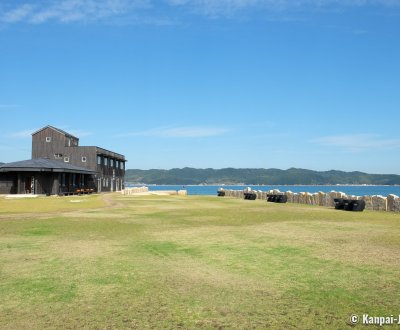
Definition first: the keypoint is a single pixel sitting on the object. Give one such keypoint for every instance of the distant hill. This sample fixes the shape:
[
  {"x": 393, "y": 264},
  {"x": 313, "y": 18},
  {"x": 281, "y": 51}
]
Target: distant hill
[{"x": 248, "y": 176}]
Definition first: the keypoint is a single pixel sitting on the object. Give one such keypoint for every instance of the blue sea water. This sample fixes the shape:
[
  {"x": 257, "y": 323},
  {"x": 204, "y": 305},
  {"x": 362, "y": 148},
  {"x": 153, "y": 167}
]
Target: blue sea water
[{"x": 350, "y": 190}]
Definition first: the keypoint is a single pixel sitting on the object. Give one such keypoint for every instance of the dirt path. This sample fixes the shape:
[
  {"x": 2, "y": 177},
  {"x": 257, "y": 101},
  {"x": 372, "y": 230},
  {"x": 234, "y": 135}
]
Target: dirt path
[{"x": 110, "y": 201}]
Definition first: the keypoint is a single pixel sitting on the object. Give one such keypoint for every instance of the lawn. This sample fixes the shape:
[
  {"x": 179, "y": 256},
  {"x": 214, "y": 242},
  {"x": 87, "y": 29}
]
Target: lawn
[{"x": 165, "y": 262}]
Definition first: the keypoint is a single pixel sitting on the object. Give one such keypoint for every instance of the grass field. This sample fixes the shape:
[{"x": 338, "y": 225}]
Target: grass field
[{"x": 111, "y": 262}]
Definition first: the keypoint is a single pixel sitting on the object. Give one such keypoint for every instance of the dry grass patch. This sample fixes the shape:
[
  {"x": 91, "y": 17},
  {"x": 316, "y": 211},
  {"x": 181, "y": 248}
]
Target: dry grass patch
[{"x": 85, "y": 249}]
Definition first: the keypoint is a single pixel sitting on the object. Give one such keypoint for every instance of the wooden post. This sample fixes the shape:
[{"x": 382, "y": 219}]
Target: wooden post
[{"x": 19, "y": 183}]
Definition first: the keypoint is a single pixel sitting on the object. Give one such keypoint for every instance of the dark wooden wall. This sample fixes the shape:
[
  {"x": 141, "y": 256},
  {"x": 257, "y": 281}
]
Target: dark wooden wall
[
  {"x": 8, "y": 183},
  {"x": 45, "y": 182},
  {"x": 59, "y": 145},
  {"x": 43, "y": 149}
]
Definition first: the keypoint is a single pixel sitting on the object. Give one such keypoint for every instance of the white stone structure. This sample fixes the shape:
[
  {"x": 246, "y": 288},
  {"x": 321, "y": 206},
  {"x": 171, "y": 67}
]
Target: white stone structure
[
  {"x": 390, "y": 203},
  {"x": 134, "y": 190}
]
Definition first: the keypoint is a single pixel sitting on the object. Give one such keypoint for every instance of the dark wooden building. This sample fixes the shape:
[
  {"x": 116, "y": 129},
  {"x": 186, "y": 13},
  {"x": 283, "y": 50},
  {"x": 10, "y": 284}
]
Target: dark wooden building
[
  {"x": 59, "y": 165},
  {"x": 53, "y": 143},
  {"x": 45, "y": 176}
]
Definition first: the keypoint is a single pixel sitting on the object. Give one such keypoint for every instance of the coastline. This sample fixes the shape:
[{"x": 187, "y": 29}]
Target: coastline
[{"x": 211, "y": 190}]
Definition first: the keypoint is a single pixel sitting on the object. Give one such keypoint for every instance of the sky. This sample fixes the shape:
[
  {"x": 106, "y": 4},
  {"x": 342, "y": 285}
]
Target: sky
[{"x": 207, "y": 83}]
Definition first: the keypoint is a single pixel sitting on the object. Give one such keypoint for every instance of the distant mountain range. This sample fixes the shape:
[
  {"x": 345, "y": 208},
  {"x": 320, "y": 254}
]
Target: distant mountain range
[{"x": 254, "y": 176}]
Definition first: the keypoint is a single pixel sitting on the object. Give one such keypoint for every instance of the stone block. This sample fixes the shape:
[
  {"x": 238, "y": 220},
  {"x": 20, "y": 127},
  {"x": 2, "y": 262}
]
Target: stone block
[
  {"x": 368, "y": 202},
  {"x": 393, "y": 203},
  {"x": 379, "y": 203},
  {"x": 290, "y": 196}
]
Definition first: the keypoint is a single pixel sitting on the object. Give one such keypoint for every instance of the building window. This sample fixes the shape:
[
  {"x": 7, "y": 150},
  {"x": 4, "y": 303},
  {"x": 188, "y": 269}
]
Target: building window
[
  {"x": 58, "y": 156},
  {"x": 48, "y": 138},
  {"x": 66, "y": 159},
  {"x": 105, "y": 161},
  {"x": 112, "y": 162},
  {"x": 83, "y": 159},
  {"x": 98, "y": 160},
  {"x": 117, "y": 163},
  {"x": 122, "y": 165}
]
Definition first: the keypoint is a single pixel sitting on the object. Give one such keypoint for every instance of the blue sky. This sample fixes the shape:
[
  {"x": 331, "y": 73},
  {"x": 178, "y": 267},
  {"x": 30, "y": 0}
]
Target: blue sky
[{"x": 200, "y": 83}]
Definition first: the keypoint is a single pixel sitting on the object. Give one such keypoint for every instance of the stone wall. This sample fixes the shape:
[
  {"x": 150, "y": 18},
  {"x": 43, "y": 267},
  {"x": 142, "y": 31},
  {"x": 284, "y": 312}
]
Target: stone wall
[
  {"x": 145, "y": 190},
  {"x": 390, "y": 203},
  {"x": 134, "y": 190}
]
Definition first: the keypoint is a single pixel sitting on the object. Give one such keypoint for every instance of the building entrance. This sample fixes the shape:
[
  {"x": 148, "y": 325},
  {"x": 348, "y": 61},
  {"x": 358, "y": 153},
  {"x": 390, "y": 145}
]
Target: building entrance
[{"x": 29, "y": 185}]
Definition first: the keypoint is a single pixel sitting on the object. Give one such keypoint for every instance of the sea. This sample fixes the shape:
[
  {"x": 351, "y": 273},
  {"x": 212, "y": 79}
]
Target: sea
[{"x": 361, "y": 190}]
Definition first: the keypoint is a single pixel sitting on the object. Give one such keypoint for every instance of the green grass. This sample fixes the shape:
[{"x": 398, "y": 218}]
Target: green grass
[{"x": 152, "y": 262}]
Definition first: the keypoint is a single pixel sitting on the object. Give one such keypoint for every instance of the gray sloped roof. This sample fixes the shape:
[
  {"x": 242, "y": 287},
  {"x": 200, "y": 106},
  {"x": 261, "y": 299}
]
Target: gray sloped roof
[
  {"x": 44, "y": 165},
  {"x": 56, "y": 129}
]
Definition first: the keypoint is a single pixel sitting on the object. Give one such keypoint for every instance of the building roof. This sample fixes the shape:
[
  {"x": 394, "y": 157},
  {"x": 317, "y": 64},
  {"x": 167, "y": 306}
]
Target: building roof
[
  {"x": 102, "y": 151},
  {"x": 44, "y": 165},
  {"x": 56, "y": 129}
]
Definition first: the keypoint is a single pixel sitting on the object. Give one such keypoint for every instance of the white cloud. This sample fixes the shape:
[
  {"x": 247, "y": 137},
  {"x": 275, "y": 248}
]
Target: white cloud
[
  {"x": 148, "y": 11},
  {"x": 359, "y": 32},
  {"x": 79, "y": 134},
  {"x": 18, "y": 14},
  {"x": 9, "y": 106},
  {"x": 216, "y": 8},
  {"x": 358, "y": 142},
  {"x": 76, "y": 132},
  {"x": 192, "y": 132},
  {"x": 180, "y": 132},
  {"x": 71, "y": 10},
  {"x": 282, "y": 3},
  {"x": 22, "y": 134}
]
